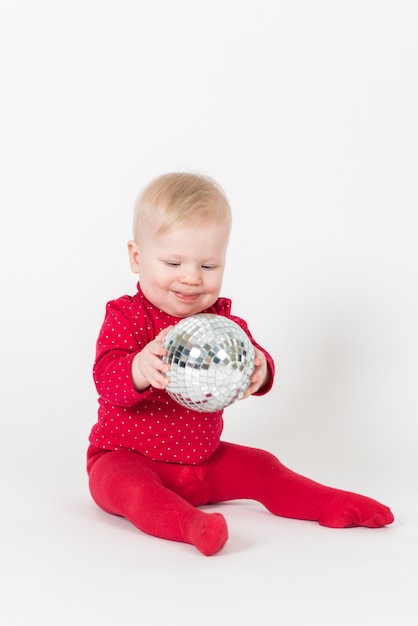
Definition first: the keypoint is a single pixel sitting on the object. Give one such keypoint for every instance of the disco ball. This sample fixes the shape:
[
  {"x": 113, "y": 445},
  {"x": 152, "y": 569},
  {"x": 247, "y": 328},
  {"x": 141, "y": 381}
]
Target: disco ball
[{"x": 211, "y": 360}]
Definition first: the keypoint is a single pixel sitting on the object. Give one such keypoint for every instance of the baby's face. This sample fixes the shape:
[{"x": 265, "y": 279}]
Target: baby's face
[{"x": 181, "y": 271}]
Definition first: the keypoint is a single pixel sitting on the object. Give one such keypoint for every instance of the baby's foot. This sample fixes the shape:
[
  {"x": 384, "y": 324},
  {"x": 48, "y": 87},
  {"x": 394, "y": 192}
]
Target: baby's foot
[
  {"x": 208, "y": 532},
  {"x": 345, "y": 510}
]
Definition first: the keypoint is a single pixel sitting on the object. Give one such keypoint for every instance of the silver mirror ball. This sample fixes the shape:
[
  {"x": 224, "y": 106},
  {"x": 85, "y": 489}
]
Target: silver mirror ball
[{"x": 211, "y": 361}]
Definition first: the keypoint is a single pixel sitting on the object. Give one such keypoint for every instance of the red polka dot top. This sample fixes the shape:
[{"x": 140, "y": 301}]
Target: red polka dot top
[{"x": 150, "y": 422}]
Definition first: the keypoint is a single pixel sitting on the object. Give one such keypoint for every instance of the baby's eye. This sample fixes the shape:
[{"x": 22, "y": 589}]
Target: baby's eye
[
  {"x": 172, "y": 263},
  {"x": 208, "y": 267}
]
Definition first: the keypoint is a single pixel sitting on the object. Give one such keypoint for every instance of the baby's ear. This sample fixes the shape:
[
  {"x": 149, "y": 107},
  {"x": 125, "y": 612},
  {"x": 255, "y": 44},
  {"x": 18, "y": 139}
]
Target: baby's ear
[{"x": 133, "y": 256}]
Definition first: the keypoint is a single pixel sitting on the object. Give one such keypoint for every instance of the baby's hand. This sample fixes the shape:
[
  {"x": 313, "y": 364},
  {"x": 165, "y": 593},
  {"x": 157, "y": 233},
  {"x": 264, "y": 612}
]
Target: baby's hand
[
  {"x": 147, "y": 366},
  {"x": 259, "y": 376}
]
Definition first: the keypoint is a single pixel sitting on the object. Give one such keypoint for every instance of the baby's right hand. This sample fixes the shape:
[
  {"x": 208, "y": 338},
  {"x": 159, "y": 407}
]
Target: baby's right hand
[{"x": 148, "y": 367}]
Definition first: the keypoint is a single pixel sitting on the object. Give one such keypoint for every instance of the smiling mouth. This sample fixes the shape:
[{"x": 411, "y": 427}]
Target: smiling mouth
[{"x": 187, "y": 297}]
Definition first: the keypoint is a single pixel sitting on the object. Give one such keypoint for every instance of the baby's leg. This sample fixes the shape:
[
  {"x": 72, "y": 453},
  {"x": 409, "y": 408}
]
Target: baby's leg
[
  {"x": 238, "y": 472},
  {"x": 122, "y": 484}
]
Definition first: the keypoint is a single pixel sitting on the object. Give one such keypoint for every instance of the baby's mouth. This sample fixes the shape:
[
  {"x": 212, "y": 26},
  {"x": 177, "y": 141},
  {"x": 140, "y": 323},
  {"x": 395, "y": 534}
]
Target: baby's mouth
[{"x": 187, "y": 297}]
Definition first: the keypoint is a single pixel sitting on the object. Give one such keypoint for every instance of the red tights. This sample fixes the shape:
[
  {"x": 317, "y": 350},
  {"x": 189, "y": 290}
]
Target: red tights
[{"x": 161, "y": 498}]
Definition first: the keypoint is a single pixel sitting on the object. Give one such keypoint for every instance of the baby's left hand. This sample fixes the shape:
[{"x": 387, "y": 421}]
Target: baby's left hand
[{"x": 260, "y": 375}]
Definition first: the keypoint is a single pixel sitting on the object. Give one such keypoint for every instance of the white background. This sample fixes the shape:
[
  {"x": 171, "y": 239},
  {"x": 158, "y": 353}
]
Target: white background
[{"x": 306, "y": 113}]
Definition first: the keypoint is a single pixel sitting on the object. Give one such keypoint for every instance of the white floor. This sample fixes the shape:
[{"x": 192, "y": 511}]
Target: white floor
[{"x": 64, "y": 562}]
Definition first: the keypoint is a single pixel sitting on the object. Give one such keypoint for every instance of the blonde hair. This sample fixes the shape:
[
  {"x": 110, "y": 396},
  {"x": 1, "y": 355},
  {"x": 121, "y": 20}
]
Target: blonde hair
[{"x": 181, "y": 198}]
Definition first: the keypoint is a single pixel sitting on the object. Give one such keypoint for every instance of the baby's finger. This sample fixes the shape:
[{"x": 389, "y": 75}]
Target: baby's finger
[
  {"x": 159, "y": 379},
  {"x": 162, "y": 335}
]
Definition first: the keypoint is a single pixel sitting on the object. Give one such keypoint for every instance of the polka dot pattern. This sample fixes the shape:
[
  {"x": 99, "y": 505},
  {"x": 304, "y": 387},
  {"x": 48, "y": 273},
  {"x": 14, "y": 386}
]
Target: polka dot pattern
[{"x": 151, "y": 422}]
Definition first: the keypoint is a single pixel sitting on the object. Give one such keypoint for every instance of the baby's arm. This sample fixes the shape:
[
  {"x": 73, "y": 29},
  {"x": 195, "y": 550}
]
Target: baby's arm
[
  {"x": 122, "y": 338},
  {"x": 147, "y": 366}
]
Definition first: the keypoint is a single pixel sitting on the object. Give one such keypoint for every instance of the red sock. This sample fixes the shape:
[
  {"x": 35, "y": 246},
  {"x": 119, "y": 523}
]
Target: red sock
[{"x": 208, "y": 532}]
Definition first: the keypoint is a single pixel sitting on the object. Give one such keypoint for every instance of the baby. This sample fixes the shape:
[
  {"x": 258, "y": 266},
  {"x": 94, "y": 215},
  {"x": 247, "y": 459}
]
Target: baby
[{"x": 150, "y": 460}]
